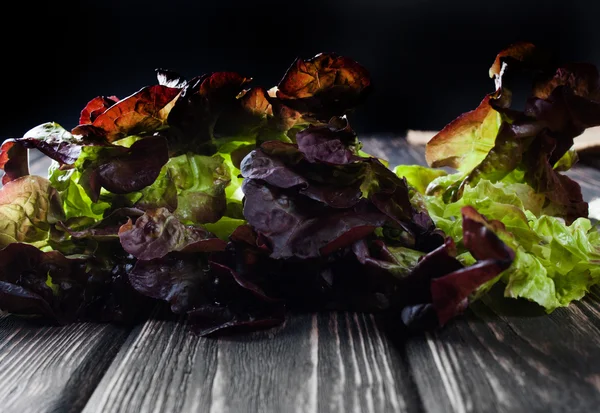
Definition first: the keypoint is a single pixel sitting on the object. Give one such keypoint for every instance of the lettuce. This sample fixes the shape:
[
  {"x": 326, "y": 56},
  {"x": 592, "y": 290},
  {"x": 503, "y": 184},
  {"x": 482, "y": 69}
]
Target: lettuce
[
  {"x": 29, "y": 206},
  {"x": 233, "y": 202},
  {"x": 508, "y": 164},
  {"x": 555, "y": 263}
]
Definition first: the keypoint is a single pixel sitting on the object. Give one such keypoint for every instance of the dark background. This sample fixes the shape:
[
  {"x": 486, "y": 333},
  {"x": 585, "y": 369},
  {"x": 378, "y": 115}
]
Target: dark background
[{"x": 428, "y": 59}]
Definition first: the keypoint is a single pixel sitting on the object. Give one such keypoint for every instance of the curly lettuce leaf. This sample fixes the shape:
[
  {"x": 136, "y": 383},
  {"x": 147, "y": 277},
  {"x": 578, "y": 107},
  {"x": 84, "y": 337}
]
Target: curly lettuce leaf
[
  {"x": 122, "y": 170},
  {"x": 196, "y": 111},
  {"x": 144, "y": 111},
  {"x": 64, "y": 288},
  {"x": 418, "y": 176},
  {"x": 158, "y": 232},
  {"x": 14, "y": 160},
  {"x": 324, "y": 86},
  {"x": 465, "y": 142},
  {"x": 29, "y": 206},
  {"x": 555, "y": 263},
  {"x": 95, "y": 108},
  {"x": 49, "y": 138},
  {"x": 75, "y": 200},
  {"x": 199, "y": 183}
]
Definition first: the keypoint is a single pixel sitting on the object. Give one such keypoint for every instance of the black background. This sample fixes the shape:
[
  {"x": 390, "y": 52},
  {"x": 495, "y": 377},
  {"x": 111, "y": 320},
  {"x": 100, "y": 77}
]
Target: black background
[{"x": 428, "y": 59}]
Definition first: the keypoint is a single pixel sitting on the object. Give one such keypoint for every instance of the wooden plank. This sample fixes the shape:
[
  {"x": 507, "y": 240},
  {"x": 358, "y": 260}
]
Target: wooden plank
[
  {"x": 53, "y": 369},
  {"x": 337, "y": 362},
  {"x": 161, "y": 367},
  {"x": 509, "y": 356},
  {"x": 495, "y": 359}
]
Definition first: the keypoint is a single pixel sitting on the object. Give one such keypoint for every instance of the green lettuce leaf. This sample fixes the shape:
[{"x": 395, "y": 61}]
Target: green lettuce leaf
[
  {"x": 555, "y": 263},
  {"x": 75, "y": 200},
  {"x": 224, "y": 227},
  {"x": 467, "y": 140},
  {"x": 419, "y": 177},
  {"x": 29, "y": 206},
  {"x": 199, "y": 182}
]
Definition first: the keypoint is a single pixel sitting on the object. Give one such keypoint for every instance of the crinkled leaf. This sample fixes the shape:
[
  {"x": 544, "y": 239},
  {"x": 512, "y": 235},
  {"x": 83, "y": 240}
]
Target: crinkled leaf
[
  {"x": 417, "y": 176},
  {"x": 519, "y": 53},
  {"x": 329, "y": 143},
  {"x": 143, "y": 111},
  {"x": 563, "y": 103},
  {"x": 195, "y": 113},
  {"x": 464, "y": 142},
  {"x": 177, "y": 278},
  {"x": 324, "y": 86},
  {"x": 237, "y": 304},
  {"x": 75, "y": 201},
  {"x": 106, "y": 229},
  {"x": 14, "y": 160},
  {"x": 95, "y": 108},
  {"x": 122, "y": 170},
  {"x": 170, "y": 78},
  {"x": 158, "y": 232},
  {"x": 53, "y": 141},
  {"x": 28, "y": 207},
  {"x": 563, "y": 192},
  {"x": 200, "y": 182},
  {"x": 224, "y": 227},
  {"x": 300, "y": 227},
  {"x": 213, "y": 296},
  {"x": 541, "y": 261},
  {"x": 66, "y": 289},
  {"x": 161, "y": 194}
]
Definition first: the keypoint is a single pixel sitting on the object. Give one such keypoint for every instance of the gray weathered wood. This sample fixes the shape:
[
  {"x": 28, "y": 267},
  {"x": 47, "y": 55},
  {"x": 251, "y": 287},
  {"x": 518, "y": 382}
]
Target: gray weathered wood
[
  {"x": 336, "y": 362},
  {"x": 508, "y": 356},
  {"x": 53, "y": 369}
]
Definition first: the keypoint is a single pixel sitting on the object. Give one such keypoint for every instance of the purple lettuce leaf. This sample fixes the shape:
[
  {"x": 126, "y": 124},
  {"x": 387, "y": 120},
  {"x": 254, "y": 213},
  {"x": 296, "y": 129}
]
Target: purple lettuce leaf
[
  {"x": 311, "y": 205},
  {"x": 334, "y": 144},
  {"x": 158, "y": 232},
  {"x": 64, "y": 289},
  {"x": 122, "y": 170},
  {"x": 297, "y": 226},
  {"x": 426, "y": 290},
  {"x": 52, "y": 140}
]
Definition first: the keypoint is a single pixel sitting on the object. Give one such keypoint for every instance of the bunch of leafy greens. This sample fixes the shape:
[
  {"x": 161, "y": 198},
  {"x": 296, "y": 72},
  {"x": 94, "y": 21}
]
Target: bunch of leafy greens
[
  {"x": 235, "y": 203},
  {"x": 508, "y": 159}
]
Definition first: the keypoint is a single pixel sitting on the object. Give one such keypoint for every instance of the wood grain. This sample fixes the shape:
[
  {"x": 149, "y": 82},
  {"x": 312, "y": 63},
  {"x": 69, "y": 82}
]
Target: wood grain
[
  {"x": 336, "y": 362},
  {"x": 53, "y": 369},
  {"x": 508, "y": 356}
]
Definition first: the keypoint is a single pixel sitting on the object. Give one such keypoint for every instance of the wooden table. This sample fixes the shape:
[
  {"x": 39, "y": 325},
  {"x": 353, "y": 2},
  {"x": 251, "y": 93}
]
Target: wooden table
[{"x": 503, "y": 355}]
